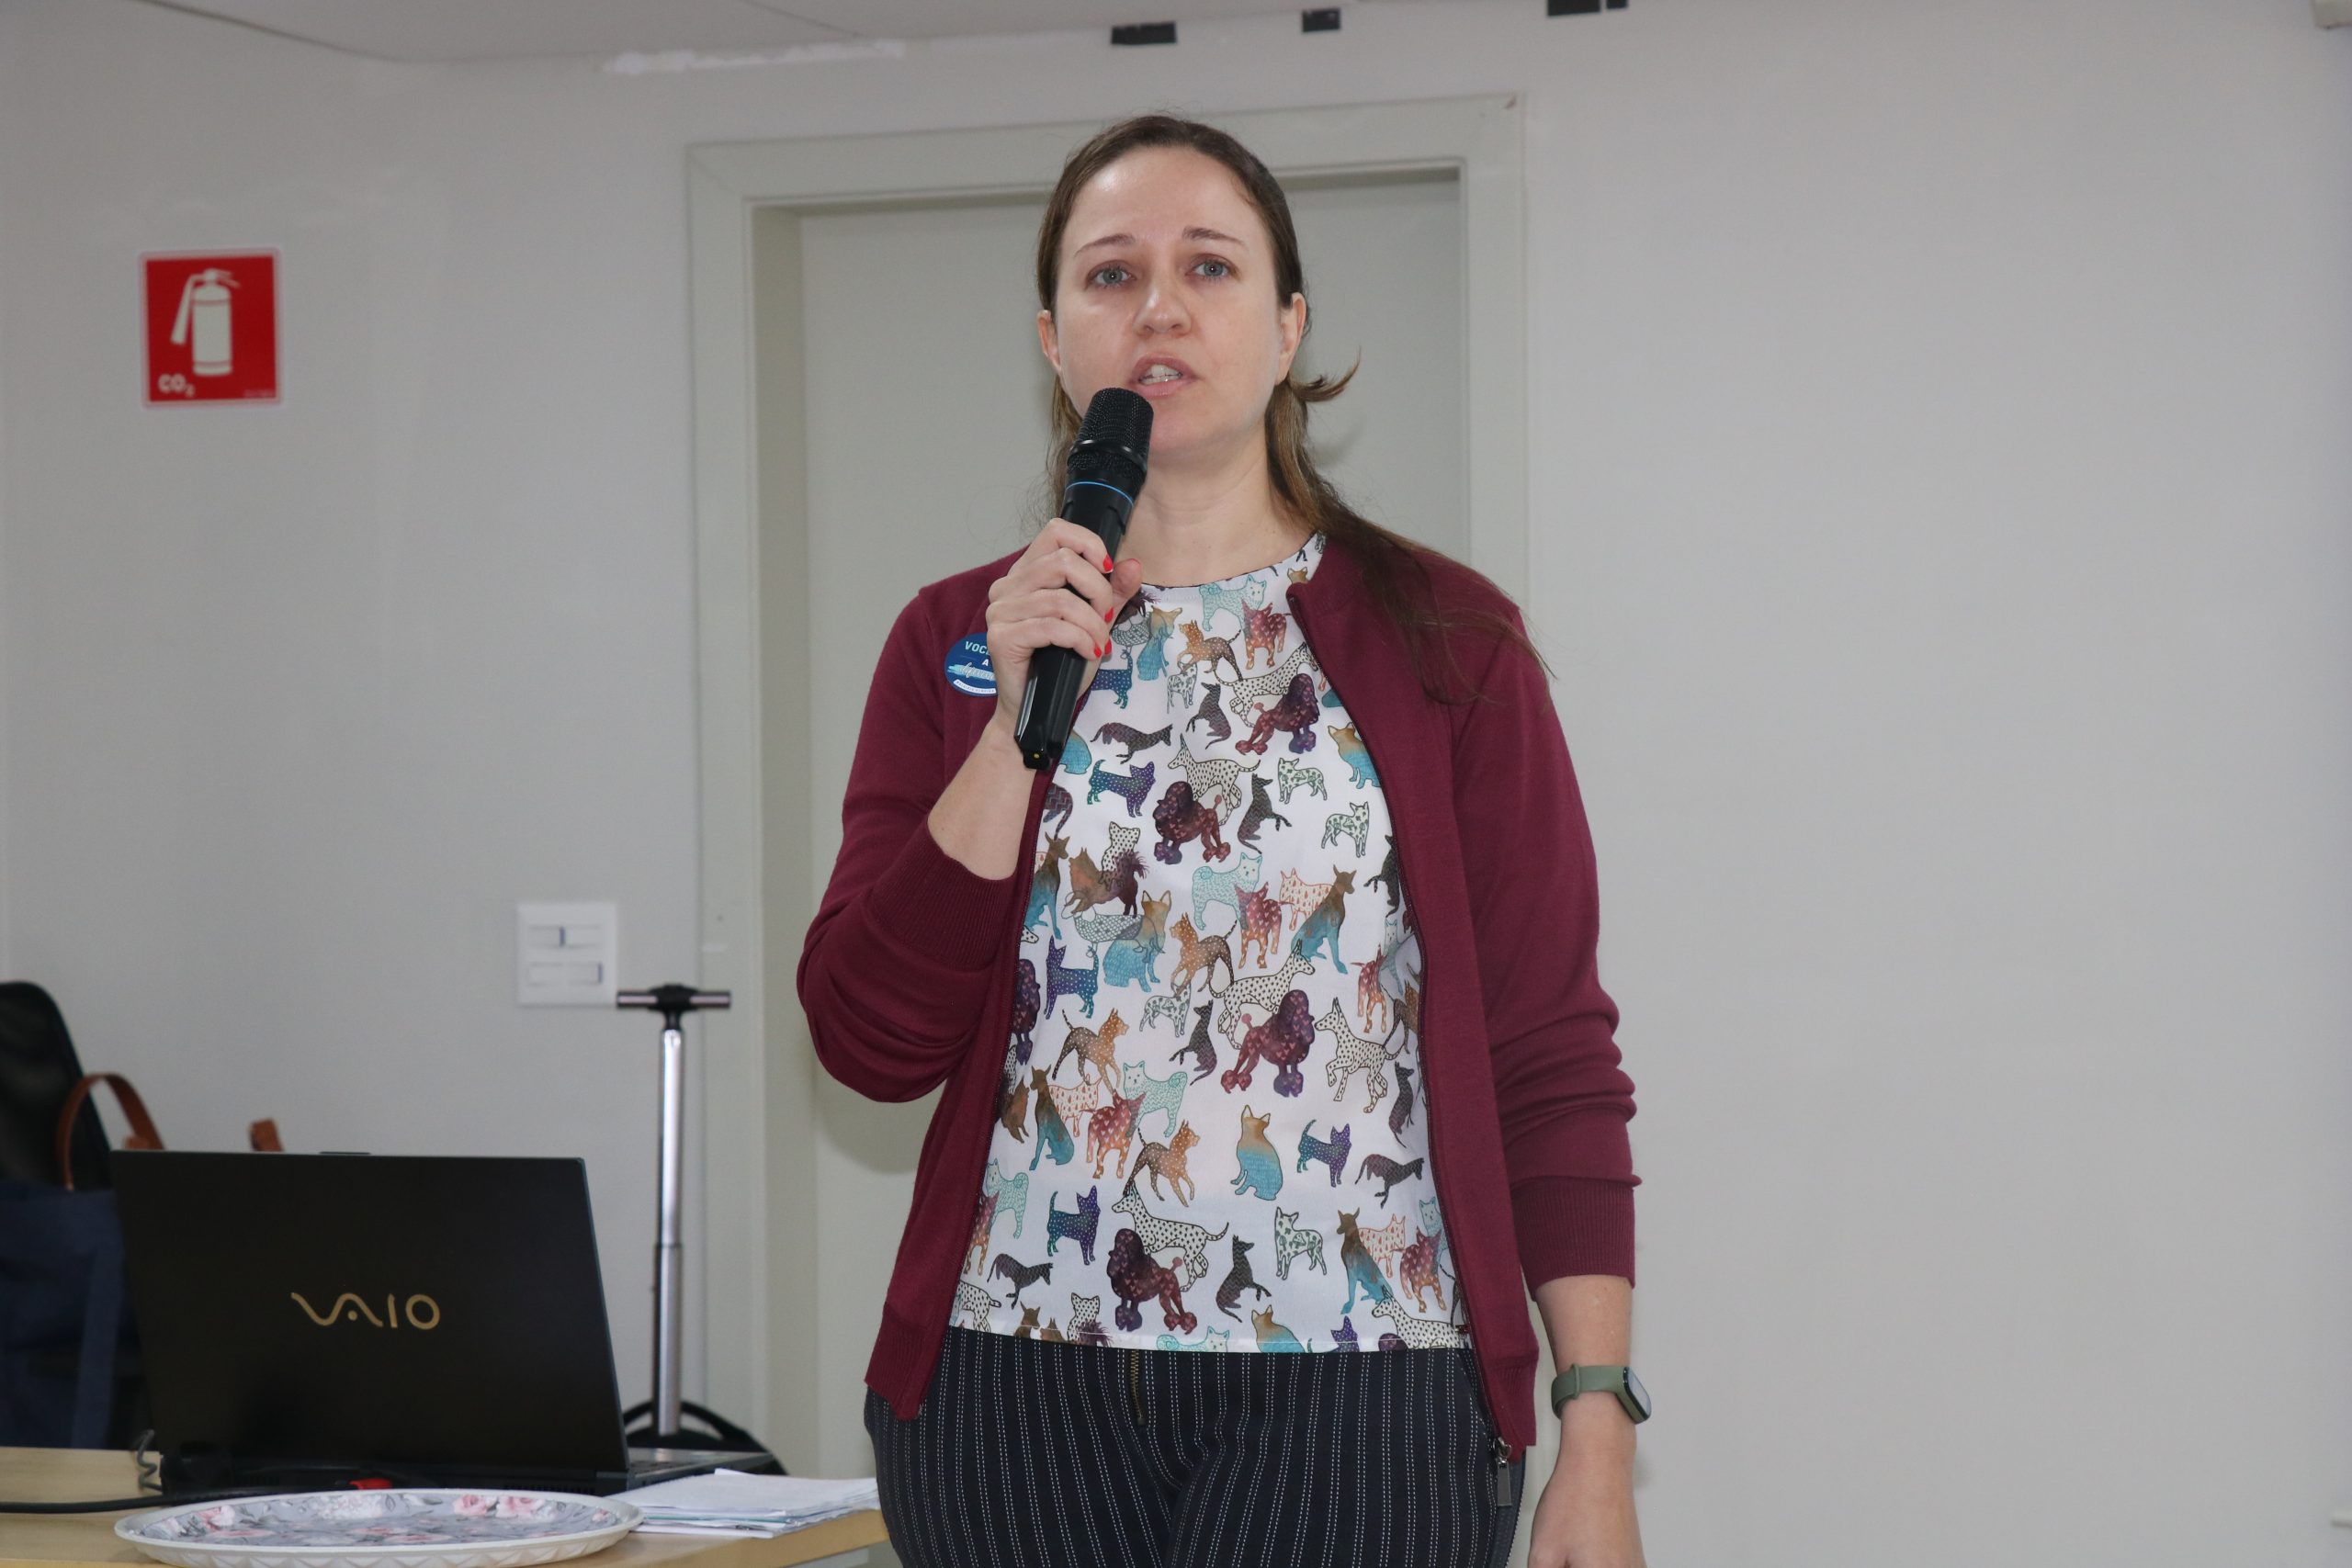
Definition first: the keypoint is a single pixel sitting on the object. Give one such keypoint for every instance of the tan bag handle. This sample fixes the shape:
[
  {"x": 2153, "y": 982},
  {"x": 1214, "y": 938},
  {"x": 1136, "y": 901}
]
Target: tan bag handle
[
  {"x": 143, "y": 1128},
  {"x": 261, "y": 1136}
]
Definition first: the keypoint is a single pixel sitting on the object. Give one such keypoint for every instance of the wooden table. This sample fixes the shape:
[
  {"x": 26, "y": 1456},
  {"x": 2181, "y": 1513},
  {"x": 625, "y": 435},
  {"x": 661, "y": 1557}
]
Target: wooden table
[{"x": 84, "y": 1541}]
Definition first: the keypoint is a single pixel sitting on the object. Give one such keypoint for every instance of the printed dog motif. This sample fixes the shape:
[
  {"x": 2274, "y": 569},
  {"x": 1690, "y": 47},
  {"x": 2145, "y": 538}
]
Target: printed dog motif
[
  {"x": 1134, "y": 788},
  {"x": 1133, "y": 958},
  {"x": 1256, "y": 691},
  {"x": 1159, "y": 1095},
  {"x": 1072, "y": 982},
  {"x": 1264, "y": 992},
  {"x": 1400, "y": 1115},
  {"x": 1053, "y": 1126},
  {"x": 1353, "y": 1054},
  {"x": 1112, "y": 881},
  {"x": 1284, "y": 1039},
  {"x": 1296, "y": 713},
  {"x": 1262, "y": 631},
  {"x": 1210, "y": 712},
  {"x": 1076, "y": 1225},
  {"x": 1210, "y": 1339},
  {"x": 1025, "y": 1006},
  {"x": 1086, "y": 1321},
  {"x": 1207, "y": 651},
  {"x": 1096, "y": 1049},
  {"x": 973, "y": 1304},
  {"x": 1197, "y": 958},
  {"x": 1352, "y": 752},
  {"x": 1417, "y": 1270},
  {"x": 1273, "y": 1335},
  {"x": 1321, "y": 926},
  {"x": 1419, "y": 1333},
  {"x": 1262, "y": 1168},
  {"x": 1046, "y": 891},
  {"x": 994, "y": 1182},
  {"x": 1168, "y": 1159},
  {"x": 1136, "y": 1278},
  {"x": 1238, "y": 1280},
  {"x": 1213, "y": 886},
  {"x": 1292, "y": 1240},
  {"x": 1262, "y": 811},
  {"x": 983, "y": 1224},
  {"x": 1429, "y": 1208},
  {"x": 1117, "y": 679},
  {"x": 1290, "y": 773},
  {"x": 1334, "y": 1155},
  {"x": 1073, "y": 1102},
  {"x": 1214, "y": 781},
  {"x": 1301, "y": 898},
  {"x": 1362, "y": 1272},
  {"x": 1354, "y": 823},
  {"x": 1110, "y": 1130},
  {"x": 1261, "y": 923},
  {"x": 1199, "y": 1046},
  {"x": 1387, "y": 1244},
  {"x": 1388, "y": 1173},
  {"x": 1023, "y": 1275},
  {"x": 1131, "y": 739},
  {"x": 1161, "y": 1236},
  {"x": 1180, "y": 819}
]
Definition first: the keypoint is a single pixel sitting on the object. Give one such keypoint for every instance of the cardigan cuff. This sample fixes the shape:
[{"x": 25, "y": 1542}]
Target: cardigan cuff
[
  {"x": 1573, "y": 1224},
  {"x": 934, "y": 906}
]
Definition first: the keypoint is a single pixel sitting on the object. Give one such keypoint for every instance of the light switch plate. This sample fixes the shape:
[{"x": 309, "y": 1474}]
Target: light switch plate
[{"x": 565, "y": 954}]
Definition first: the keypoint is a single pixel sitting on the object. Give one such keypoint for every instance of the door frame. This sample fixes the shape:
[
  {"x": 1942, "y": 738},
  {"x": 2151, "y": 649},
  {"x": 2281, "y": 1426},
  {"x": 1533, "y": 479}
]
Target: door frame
[{"x": 758, "y": 1119}]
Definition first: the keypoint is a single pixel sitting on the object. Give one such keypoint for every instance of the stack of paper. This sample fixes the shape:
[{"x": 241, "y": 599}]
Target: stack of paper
[{"x": 729, "y": 1502}]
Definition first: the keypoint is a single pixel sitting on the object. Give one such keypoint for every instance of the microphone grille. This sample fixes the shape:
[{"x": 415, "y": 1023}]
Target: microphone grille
[{"x": 1118, "y": 418}]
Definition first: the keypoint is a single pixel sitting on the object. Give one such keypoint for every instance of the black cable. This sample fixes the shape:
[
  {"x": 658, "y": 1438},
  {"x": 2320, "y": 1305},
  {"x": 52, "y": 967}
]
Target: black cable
[
  {"x": 151, "y": 1473},
  {"x": 151, "y": 1500}
]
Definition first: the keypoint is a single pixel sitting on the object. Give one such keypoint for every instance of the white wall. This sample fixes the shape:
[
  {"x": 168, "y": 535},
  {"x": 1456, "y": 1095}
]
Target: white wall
[{"x": 1940, "y": 512}]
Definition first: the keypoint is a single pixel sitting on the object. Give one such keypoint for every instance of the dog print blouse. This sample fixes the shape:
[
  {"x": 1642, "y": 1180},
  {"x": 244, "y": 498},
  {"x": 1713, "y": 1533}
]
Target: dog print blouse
[{"x": 1210, "y": 1133}]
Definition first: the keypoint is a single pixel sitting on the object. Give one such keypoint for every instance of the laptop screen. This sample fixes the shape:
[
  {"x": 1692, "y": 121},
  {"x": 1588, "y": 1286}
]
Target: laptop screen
[{"x": 392, "y": 1308}]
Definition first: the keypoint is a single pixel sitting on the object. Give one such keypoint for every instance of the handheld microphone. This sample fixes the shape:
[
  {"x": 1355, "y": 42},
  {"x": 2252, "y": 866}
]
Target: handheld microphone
[{"x": 1104, "y": 476}]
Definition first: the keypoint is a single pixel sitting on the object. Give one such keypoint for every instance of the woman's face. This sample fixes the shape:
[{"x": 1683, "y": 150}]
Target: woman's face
[{"x": 1166, "y": 262}]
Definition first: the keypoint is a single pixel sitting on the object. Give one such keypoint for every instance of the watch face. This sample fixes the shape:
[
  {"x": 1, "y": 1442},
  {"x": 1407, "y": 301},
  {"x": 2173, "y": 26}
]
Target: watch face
[{"x": 1641, "y": 1395}]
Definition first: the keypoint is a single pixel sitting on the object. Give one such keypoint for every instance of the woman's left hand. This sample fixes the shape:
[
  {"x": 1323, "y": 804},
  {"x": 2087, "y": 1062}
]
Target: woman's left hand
[{"x": 1585, "y": 1518}]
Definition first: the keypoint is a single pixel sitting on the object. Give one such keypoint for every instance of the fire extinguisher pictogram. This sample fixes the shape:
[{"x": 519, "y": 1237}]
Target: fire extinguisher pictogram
[
  {"x": 211, "y": 325},
  {"x": 204, "y": 306}
]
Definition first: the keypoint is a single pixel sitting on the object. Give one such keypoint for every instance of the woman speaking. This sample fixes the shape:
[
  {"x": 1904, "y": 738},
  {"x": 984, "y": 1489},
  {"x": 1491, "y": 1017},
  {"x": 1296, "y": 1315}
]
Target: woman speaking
[{"x": 1275, "y": 1056}]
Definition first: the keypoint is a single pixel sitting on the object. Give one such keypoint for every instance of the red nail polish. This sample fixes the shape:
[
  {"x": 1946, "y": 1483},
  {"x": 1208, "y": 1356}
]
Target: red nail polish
[{"x": 1106, "y": 563}]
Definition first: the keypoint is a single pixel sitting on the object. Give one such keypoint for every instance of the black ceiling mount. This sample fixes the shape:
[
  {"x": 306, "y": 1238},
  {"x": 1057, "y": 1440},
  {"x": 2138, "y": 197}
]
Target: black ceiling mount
[
  {"x": 1326, "y": 21},
  {"x": 1144, "y": 32},
  {"x": 1579, "y": 7}
]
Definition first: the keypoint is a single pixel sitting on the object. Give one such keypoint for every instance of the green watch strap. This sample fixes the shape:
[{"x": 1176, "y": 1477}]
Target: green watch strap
[{"x": 1579, "y": 1380}]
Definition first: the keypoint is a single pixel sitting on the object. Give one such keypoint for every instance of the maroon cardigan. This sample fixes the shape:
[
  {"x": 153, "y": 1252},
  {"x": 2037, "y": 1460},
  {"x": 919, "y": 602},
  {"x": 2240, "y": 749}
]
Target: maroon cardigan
[{"x": 907, "y": 972}]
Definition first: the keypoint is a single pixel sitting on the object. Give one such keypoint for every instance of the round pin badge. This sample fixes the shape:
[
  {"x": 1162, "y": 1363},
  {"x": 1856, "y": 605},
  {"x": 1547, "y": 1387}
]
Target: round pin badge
[{"x": 968, "y": 670}]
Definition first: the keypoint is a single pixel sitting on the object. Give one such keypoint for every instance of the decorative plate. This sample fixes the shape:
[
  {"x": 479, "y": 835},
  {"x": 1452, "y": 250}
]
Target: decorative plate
[{"x": 399, "y": 1528}]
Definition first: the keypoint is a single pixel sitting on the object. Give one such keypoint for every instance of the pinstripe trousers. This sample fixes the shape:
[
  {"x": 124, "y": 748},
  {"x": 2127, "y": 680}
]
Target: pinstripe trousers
[{"x": 1036, "y": 1453}]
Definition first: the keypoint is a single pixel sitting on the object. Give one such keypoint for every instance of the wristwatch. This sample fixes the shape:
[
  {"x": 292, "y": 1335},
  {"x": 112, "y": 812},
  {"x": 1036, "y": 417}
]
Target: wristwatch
[{"x": 1619, "y": 1381}]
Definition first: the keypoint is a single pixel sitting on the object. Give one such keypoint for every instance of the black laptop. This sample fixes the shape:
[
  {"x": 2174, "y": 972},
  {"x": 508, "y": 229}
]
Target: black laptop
[{"x": 444, "y": 1317}]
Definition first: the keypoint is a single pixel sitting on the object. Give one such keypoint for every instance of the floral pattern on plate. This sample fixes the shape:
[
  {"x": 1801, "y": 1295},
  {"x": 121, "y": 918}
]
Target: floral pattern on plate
[{"x": 397, "y": 1528}]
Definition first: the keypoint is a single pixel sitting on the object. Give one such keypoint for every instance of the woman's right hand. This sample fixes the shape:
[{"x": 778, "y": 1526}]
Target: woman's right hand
[{"x": 1031, "y": 607}]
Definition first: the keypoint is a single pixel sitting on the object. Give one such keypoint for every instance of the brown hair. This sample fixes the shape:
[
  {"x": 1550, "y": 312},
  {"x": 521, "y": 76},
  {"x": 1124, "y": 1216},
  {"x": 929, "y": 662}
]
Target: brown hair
[{"x": 1396, "y": 568}]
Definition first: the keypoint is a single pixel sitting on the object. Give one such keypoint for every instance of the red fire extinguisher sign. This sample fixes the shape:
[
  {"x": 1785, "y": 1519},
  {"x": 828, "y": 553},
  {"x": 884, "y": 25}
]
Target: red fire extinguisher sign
[{"x": 211, "y": 327}]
